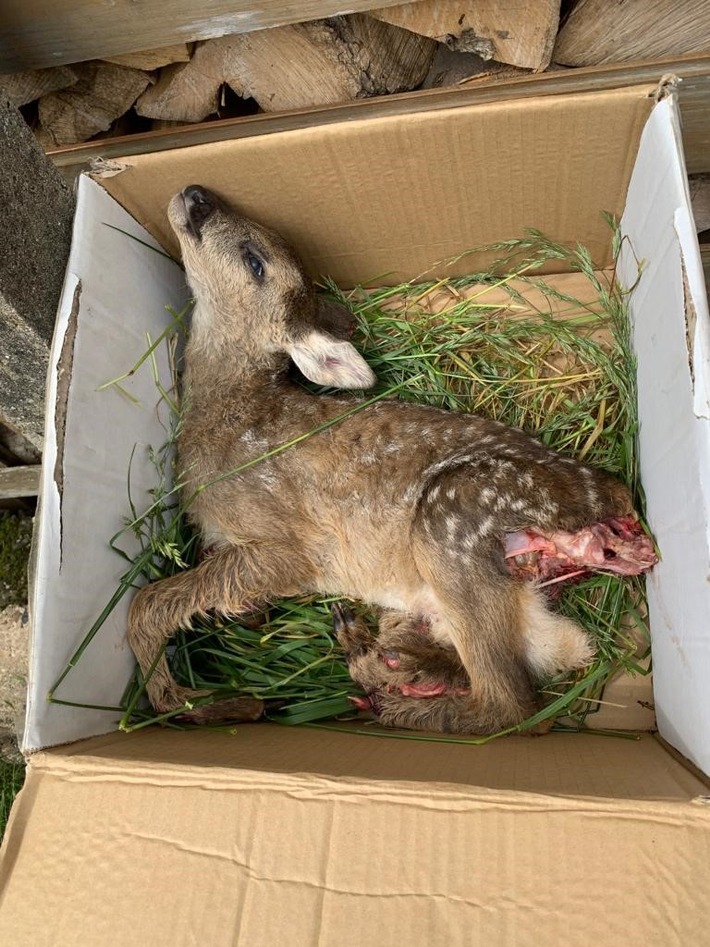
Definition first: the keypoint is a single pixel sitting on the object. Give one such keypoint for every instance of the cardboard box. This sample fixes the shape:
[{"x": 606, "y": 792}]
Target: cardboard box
[{"x": 311, "y": 837}]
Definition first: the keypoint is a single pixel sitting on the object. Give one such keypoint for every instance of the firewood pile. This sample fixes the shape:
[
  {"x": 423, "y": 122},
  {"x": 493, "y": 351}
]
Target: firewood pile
[{"x": 423, "y": 45}]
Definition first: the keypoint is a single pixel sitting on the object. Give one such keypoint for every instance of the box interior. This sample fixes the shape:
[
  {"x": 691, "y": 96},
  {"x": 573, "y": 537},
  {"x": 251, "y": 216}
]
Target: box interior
[{"x": 554, "y": 164}]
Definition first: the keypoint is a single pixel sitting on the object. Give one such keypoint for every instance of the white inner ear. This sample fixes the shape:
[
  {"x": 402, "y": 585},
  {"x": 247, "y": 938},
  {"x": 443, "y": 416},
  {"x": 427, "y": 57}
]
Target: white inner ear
[{"x": 327, "y": 362}]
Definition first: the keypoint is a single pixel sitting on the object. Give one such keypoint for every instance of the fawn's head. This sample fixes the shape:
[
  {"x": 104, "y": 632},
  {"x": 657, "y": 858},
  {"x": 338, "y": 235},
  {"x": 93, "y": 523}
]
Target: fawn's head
[{"x": 254, "y": 297}]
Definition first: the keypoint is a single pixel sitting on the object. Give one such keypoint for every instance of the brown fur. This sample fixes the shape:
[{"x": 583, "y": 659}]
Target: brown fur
[{"x": 399, "y": 505}]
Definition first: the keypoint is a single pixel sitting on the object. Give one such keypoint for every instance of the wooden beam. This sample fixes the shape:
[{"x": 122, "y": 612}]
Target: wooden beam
[
  {"x": 16, "y": 482},
  {"x": 694, "y": 93},
  {"x": 39, "y": 33}
]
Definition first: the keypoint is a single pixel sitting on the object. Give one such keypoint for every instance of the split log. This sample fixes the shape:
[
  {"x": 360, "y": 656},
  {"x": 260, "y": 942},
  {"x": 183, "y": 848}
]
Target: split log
[
  {"x": 189, "y": 92},
  {"x": 518, "y": 32},
  {"x": 602, "y": 31},
  {"x": 102, "y": 92},
  {"x": 451, "y": 68},
  {"x": 308, "y": 64},
  {"x": 151, "y": 59},
  {"x": 24, "y": 87},
  {"x": 699, "y": 185},
  {"x": 44, "y": 139}
]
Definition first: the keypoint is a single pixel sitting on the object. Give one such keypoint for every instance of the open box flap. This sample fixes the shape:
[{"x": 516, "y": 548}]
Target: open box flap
[
  {"x": 382, "y": 200},
  {"x": 118, "y": 841},
  {"x": 671, "y": 338},
  {"x": 115, "y": 292}
]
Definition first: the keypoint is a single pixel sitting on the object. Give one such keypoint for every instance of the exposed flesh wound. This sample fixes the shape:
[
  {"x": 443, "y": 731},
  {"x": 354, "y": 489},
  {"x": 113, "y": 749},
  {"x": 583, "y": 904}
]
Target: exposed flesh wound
[{"x": 617, "y": 545}]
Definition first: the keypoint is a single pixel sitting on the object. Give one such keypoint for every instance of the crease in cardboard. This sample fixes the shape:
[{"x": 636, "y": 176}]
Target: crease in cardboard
[
  {"x": 251, "y": 876},
  {"x": 322, "y": 790}
]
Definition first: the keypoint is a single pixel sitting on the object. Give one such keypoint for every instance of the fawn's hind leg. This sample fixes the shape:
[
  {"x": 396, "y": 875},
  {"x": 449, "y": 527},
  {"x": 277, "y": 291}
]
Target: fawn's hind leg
[
  {"x": 552, "y": 642},
  {"x": 477, "y": 606},
  {"x": 481, "y": 613},
  {"x": 231, "y": 581}
]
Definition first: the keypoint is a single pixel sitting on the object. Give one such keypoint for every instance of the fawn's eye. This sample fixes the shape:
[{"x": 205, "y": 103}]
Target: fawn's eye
[{"x": 257, "y": 267}]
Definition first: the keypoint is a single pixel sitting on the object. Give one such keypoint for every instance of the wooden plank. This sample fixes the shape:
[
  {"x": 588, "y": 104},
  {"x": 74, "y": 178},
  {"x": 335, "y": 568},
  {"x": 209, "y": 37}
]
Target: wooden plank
[
  {"x": 694, "y": 93},
  {"x": 18, "y": 482},
  {"x": 39, "y": 33}
]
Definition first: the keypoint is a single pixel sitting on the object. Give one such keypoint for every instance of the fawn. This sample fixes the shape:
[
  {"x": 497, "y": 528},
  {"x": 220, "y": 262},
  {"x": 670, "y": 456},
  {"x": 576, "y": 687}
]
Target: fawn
[{"x": 398, "y": 505}]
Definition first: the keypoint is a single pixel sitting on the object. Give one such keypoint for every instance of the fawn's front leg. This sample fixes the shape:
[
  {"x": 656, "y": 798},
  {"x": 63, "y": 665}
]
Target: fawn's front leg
[{"x": 232, "y": 581}]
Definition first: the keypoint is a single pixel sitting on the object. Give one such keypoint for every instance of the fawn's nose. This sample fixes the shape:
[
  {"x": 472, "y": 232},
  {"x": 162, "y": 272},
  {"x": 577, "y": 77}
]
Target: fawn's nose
[{"x": 199, "y": 205}]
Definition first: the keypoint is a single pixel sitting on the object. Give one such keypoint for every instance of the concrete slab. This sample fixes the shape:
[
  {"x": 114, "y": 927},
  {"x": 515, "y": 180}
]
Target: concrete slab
[{"x": 36, "y": 212}]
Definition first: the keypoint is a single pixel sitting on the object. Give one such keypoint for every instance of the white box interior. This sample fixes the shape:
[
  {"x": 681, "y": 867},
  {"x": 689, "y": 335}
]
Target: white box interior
[
  {"x": 671, "y": 332},
  {"x": 118, "y": 289}
]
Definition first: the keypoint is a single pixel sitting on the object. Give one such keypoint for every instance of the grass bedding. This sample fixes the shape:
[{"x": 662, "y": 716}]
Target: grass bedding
[{"x": 506, "y": 344}]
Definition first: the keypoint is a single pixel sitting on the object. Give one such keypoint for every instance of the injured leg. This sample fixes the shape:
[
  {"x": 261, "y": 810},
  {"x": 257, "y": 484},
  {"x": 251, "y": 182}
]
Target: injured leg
[{"x": 617, "y": 545}]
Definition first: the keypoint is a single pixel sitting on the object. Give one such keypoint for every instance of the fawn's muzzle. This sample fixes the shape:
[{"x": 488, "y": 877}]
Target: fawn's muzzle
[{"x": 199, "y": 204}]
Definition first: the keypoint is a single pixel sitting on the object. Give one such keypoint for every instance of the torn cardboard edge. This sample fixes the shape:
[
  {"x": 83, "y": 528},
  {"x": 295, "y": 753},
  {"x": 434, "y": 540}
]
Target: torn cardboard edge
[
  {"x": 63, "y": 383},
  {"x": 101, "y": 168}
]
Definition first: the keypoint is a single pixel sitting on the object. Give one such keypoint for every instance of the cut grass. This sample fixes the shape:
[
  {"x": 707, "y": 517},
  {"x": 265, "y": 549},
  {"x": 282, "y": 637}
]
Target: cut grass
[{"x": 503, "y": 344}]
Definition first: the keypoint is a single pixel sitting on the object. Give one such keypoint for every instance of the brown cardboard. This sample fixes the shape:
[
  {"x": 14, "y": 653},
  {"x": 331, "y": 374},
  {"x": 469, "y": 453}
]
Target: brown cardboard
[
  {"x": 509, "y": 165},
  {"x": 566, "y": 765},
  {"x": 271, "y": 837}
]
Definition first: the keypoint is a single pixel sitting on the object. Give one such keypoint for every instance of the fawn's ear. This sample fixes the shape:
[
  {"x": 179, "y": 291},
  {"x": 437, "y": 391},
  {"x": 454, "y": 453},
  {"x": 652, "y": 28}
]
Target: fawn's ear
[
  {"x": 334, "y": 318},
  {"x": 326, "y": 361}
]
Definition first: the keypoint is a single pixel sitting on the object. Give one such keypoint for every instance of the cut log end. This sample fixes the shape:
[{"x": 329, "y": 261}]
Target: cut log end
[{"x": 102, "y": 92}]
